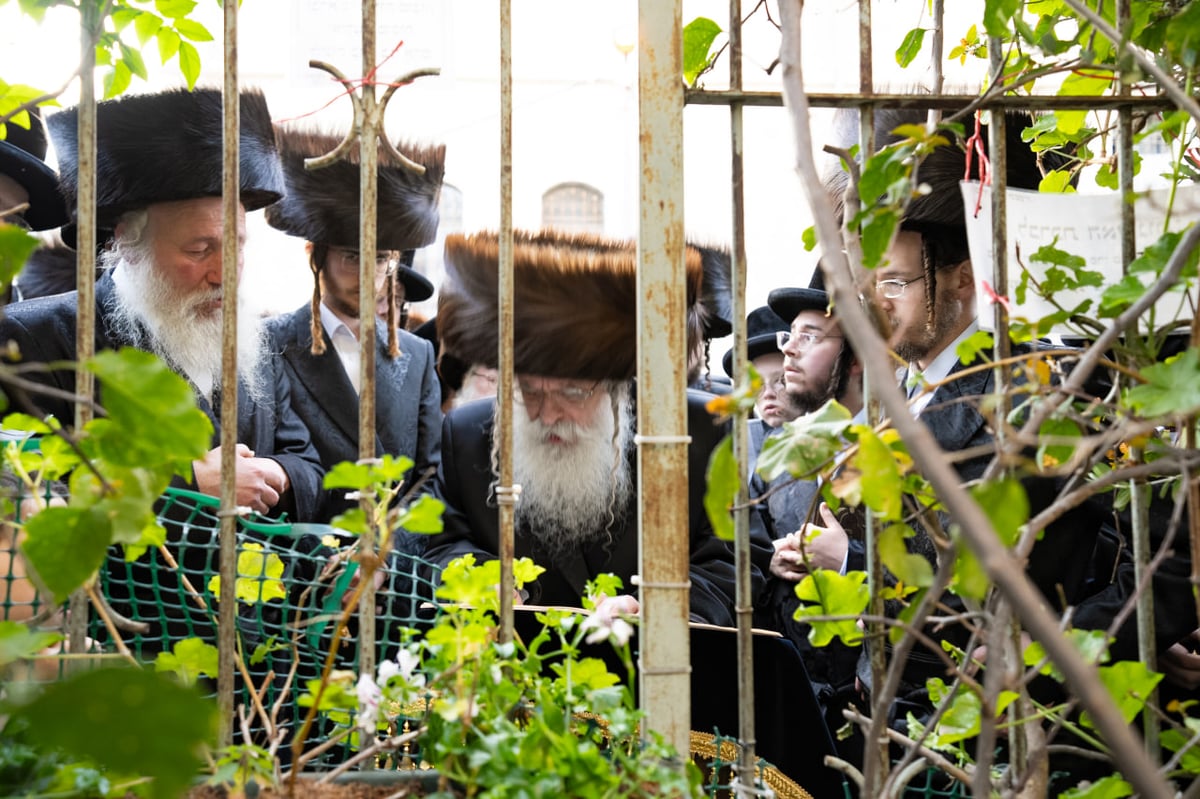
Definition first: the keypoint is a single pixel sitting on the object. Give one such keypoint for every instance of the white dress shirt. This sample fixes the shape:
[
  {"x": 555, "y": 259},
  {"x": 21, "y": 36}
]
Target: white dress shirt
[{"x": 345, "y": 343}]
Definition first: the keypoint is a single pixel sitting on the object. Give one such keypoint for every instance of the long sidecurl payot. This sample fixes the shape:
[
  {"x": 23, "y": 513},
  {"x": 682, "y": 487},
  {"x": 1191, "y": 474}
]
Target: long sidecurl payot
[{"x": 574, "y": 303}]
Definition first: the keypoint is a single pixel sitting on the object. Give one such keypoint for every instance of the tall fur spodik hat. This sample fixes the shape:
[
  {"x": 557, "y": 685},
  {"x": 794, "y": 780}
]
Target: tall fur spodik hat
[
  {"x": 321, "y": 205},
  {"x": 574, "y": 303},
  {"x": 165, "y": 147}
]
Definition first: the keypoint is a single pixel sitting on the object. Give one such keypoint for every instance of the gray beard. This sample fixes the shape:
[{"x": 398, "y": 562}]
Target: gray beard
[
  {"x": 146, "y": 312},
  {"x": 572, "y": 495}
]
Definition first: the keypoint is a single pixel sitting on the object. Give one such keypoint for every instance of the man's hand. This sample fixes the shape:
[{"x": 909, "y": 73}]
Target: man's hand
[
  {"x": 260, "y": 481},
  {"x": 612, "y": 607},
  {"x": 1181, "y": 663},
  {"x": 825, "y": 546}
]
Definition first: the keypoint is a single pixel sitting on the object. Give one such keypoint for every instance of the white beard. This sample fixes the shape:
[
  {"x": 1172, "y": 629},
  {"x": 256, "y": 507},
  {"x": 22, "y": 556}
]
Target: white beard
[
  {"x": 179, "y": 332},
  {"x": 572, "y": 494}
]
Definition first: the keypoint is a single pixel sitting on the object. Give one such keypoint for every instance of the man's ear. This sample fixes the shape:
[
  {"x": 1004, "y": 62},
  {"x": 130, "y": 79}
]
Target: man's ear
[{"x": 966, "y": 275}]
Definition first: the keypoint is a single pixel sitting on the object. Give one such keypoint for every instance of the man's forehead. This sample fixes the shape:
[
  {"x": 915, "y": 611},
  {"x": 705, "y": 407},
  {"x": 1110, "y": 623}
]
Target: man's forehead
[
  {"x": 554, "y": 382},
  {"x": 813, "y": 320}
]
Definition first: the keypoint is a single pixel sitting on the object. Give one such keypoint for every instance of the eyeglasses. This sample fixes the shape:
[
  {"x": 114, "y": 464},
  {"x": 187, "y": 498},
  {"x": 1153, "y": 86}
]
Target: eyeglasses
[
  {"x": 803, "y": 341},
  {"x": 893, "y": 289},
  {"x": 385, "y": 260},
  {"x": 573, "y": 396}
]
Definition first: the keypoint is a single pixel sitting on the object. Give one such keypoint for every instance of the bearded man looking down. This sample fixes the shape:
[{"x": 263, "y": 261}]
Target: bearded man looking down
[
  {"x": 158, "y": 189},
  {"x": 573, "y": 450}
]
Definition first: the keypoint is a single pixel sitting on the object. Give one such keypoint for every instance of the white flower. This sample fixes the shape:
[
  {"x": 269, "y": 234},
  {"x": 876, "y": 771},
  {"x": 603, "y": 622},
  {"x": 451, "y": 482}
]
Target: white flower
[
  {"x": 603, "y": 627},
  {"x": 389, "y": 669},
  {"x": 369, "y": 697},
  {"x": 409, "y": 661}
]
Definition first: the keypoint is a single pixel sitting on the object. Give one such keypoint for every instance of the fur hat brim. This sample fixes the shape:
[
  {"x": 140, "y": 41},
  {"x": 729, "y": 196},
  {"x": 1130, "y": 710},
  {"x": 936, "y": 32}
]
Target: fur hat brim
[
  {"x": 574, "y": 304},
  {"x": 321, "y": 205},
  {"x": 166, "y": 147}
]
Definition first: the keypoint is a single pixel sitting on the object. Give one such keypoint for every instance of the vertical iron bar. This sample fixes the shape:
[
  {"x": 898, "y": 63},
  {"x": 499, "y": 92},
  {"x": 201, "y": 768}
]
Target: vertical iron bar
[
  {"x": 665, "y": 672},
  {"x": 85, "y": 271},
  {"x": 504, "y": 405},
  {"x": 504, "y": 400},
  {"x": 367, "y": 202},
  {"x": 230, "y": 275},
  {"x": 744, "y": 611}
]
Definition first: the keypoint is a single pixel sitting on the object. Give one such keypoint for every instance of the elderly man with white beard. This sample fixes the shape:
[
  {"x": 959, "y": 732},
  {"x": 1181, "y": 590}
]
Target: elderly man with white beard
[
  {"x": 158, "y": 189},
  {"x": 574, "y": 356}
]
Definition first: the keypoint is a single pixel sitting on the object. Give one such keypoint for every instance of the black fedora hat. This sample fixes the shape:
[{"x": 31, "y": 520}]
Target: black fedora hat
[
  {"x": 761, "y": 326},
  {"x": 23, "y": 158},
  {"x": 788, "y": 302}
]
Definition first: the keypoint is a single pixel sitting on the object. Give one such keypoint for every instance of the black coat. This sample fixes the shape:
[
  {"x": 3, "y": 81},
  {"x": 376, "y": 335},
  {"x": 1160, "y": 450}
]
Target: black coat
[
  {"x": 465, "y": 482},
  {"x": 44, "y": 330},
  {"x": 408, "y": 414}
]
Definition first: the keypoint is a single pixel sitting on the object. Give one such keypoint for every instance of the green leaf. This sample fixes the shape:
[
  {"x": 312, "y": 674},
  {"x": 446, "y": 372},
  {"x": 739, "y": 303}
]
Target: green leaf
[
  {"x": 969, "y": 580},
  {"x": 1051, "y": 453},
  {"x": 1130, "y": 684},
  {"x": 997, "y": 16},
  {"x": 133, "y": 60},
  {"x": 1155, "y": 257},
  {"x": 168, "y": 43},
  {"x": 910, "y": 568},
  {"x": 698, "y": 36},
  {"x": 121, "y": 17},
  {"x": 259, "y": 576},
  {"x": 423, "y": 516},
  {"x": 1092, "y": 646},
  {"x": 877, "y": 236},
  {"x": 189, "y": 659},
  {"x": 910, "y": 47},
  {"x": 152, "y": 411},
  {"x": 806, "y": 443},
  {"x": 349, "y": 475},
  {"x": 146, "y": 25},
  {"x": 18, "y": 642},
  {"x": 1057, "y": 181},
  {"x": 1006, "y": 506},
  {"x": 189, "y": 63},
  {"x": 132, "y": 721},
  {"x": 881, "y": 489},
  {"x": 1120, "y": 295},
  {"x": 1175, "y": 740},
  {"x": 174, "y": 9},
  {"x": 190, "y": 29},
  {"x": 16, "y": 245},
  {"x": 83, "y": 532},
  {"x": 117, "y": 80},
  {"x": 721, "y": 489},
  {"x": 828, "y": 593},
  {"x": 1172, "y": 386},
  {"x": 809, "y": 238},
  {"x": 1110, "y": 787}
]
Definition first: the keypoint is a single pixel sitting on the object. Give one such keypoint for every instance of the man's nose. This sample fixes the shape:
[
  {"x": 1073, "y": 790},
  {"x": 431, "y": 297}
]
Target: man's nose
[{"x": 551, "y": 410}]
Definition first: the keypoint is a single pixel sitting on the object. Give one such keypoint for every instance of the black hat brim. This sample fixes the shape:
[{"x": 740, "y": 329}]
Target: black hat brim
[
  {"x": 789, "y": 302},
  {"x": 756, "y": 347},
  {"x": 46, "y": 207},
  {"x": 417, "y": 287}
]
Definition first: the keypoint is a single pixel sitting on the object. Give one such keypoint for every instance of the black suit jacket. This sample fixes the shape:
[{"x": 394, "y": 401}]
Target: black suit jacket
[
  {"x": 465, "y": 482},
  {"x": 44, "y": 330},
  {"x": 408, "y": 414}
]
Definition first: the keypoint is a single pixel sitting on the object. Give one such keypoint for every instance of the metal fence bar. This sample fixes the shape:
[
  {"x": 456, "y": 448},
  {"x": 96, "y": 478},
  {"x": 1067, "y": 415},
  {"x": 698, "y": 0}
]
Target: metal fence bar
[
  {"x": 943, "y": 102},
  {"x": 504, "y": 403},
  {"x": 665, "y": 671}
]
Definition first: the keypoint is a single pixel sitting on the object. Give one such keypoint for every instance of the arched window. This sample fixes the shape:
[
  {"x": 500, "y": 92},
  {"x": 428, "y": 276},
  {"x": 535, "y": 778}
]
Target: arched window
[{"x": 574, "y": 208}]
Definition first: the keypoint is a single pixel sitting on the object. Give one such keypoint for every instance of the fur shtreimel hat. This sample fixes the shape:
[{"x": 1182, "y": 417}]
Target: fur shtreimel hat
[
  {"x": 321, "y": 205},
  {"x": 940, "y": 210},
  {"x": 23, "y": 158},
  {"x": 165, "y": 147},
  {"x": 716, "y": 297},
  {"x": 574, "y": 304}
]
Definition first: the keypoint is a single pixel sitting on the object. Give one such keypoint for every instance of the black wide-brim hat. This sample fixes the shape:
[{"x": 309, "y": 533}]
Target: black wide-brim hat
[
  {"x": 574, "y": 303},
  {"x": 761, "y": 326},
  {"x": 716, "y": 295},
  {"x": 22, "y": 158},
  {"x": 167, "y": 147},
  {"x": 321, "y": 205},
  {"x": 789, "y": 302}
]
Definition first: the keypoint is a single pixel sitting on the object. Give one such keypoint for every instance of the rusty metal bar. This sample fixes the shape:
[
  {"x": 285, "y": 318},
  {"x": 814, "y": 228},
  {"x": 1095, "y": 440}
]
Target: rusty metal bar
[
  {"x": 665, "y": 671},
  {"x": 504, "y": 404},
  {"x": 230, "y": 277},
  {"x": 744, "y": 596},
  {"x": 85, "y": 273},
  {"x": 368, "y": 179},
  {"x": 944, "y": 102}
]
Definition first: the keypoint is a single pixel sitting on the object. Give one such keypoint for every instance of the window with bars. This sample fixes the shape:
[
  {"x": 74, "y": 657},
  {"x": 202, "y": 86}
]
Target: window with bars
[{"x": 573, "y": 208}]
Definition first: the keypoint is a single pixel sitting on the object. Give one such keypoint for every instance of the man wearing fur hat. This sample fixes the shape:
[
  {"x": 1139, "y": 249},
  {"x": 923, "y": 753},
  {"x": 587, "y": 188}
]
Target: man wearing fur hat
[
  {"x": 319, "y": 342},
  {"x": 573, "y": 454},
  {"x": 158, "y": 177}
]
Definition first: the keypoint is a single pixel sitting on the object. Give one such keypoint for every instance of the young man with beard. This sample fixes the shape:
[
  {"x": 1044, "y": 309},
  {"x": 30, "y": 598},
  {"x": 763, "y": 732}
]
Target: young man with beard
[
  {"x": 575, "y": 353},
  {"x": 320, "y": 341},
  {"x": 158, "y": 187}
]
